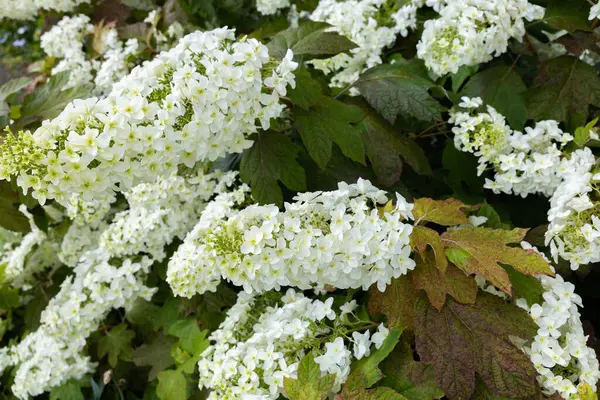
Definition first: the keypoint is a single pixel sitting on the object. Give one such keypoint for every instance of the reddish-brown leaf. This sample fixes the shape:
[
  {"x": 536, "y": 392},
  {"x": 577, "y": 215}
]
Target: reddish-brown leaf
[
  {"x": 442, "y": 212},
  {"x": 396, "y": 303}
]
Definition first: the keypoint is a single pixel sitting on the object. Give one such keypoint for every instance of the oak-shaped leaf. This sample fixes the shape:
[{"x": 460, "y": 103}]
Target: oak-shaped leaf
[
  {"x": 172, "y": 385},
  {"x": 447, "y": 212},
  {"x": 378, "y": 393},
  {"x": 310, "y": 385},
  {"x": 413, "y": 379},
  {"x": 480, "y": 250},
  {"x": 272, "y": 159},
  {"x": 330, "y": 121},
  {"x": 192, "y": 339},
  {"x": 400, "y": 88},
  {"x": 422, "y": 239},
  {"x": 310, "y": 38},
  {"x": 12, "y": 219},
  {"x": 156, "y": 354},
  {"x": 396, "y": 303},
  {"x": 438, "y": 284},
  {"x": 117, "y": 344},
  {"x": 463, "y": 340},
  {"x": 70, "y": 390},
  {"x": 308, "y": 91},
  {"x": 563, "y": 90}
]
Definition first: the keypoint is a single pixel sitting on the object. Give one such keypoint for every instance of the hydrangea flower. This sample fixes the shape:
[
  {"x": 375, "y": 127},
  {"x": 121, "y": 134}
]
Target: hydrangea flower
[
  {"x": 339, "y": 238},
  {"x": 28, "y": 9},
  {"x": 471, "y": 32},
  {"x": 194, "y": 103},
  {"x": 264, "y": 337}
]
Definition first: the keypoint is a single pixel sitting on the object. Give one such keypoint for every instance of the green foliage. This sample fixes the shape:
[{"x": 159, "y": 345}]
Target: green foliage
[
  {"x": 502, "y": 88},
  {"x": 117, "y": 344},
  {"x": 400, "y": 89},
  {"x": 562, "y": 90},
  {"x": 172, "y": 385},
  {"x": 12, "y": 219},
  {"x": 461, "y": 340},
  {"x": 309, "y": 39},
  {"x": 156, "y": 354},
  {"x": 310, "y": 385},
  {"x": 67, "y": 391},
  {"x": 10, "y": 87},
  {"x": 50, "y": 99},
  {"x": 272, "y": 159}
]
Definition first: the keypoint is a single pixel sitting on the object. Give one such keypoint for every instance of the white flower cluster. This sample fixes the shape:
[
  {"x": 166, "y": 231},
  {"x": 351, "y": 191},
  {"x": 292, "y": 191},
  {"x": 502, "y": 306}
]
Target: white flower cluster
[
  {"x": 574, "y": 215},
  {"x": 28, "y": 9},
  {"x": 160, "y": 212},
  {"x": 263, "y": 339},
  {"x": 338, "y": 238},
  {"x": 271, "y": 7},
  {"x": 79, "y": 239},
  {"x": 372, "y": 24},
  {"x": 53, "y": 354},
  {"x": 196, "y": 102},
  {"x": 114, "y": 60},
  {"x": 35, "y": 252},
  {"x": 559, "y": 351},
  {"x": 471, "y": 32},
  {"x": 524, "y": 163}
]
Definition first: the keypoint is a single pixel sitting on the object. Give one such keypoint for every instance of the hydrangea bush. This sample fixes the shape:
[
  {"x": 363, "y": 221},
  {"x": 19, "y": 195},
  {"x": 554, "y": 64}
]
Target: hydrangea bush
[{"x": 304, "y": 200}]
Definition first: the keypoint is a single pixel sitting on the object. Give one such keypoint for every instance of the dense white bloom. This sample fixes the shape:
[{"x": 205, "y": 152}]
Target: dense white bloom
[
  {"x": 524, "y": 163},
  {"x": 196, "y": 102},
  {"x": 335, "y": 238},
  {"x": 35, "y": 252},
  {"x": 53, "y": 354},
  {"x": 574, "y": 215},
  {"x": 28, "y": 9},
  {"x": 372, "y": 24},
  {"x": 559, "y": 350},
  {"x": 270, "y": 7},
  {"x": 471, "y": 32},
  {"x": 263, "y": 339}
]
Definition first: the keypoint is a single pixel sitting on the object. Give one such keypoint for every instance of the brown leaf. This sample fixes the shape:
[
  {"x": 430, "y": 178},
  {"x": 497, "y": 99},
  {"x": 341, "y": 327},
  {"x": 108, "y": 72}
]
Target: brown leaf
[
  {"x": 461, "y": 340},
  {"x": 380, "y": 393},
  {"x": 396, "y": 303},
  {"x": 479, "y": 250},
  {"x": 423, "y": 237},
  {"x": 442, "y": 212},
  {"x": 437, "y": 284}
]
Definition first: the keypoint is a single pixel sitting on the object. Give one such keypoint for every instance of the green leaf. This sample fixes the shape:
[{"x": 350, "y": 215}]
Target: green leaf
[
  {"x": 461, "y": 340},
  {"x": 365, "y": 372},
  {"x": 50, "y": 99},
  {"x": 272, "y": 158},
  {"x": 117, "y": 344},
  {"x": 384, "y": 148},
  {"x": 311, "y": 39},
  {"x": 310, "y": 385},
  {"x": 9, "y": 296},
  {"x": 461, "y": 174},
  {"x": 400, "y": 89},
  {"x": 493, "y": 218},
  {"x": 562, "y": 90},
  {"x": 8, "y": 88},
  {"x": 307, "y": 92},
  {"x": 414, "y": 380},
  {"x": 525, "y": 287},
  {"x": 145, "y": 5},
  {"x": 568, "y": 15},
  {"x": 462, "y": 75},
  {"x": 192, "y": 339},
  {"x": 502, "y": 88},
  {"x": 582, "y": 133},
  {"x": 396, "y": 303},
  {"x": 172, "y": 385},
  {"x": 486, "y": 248},
  {"x": 67, "y": 391},
  {"x": 12, "y": 219},
  {"x": 327, "y": 122},
  {"x": 156, "y": 355},
  {"x": 448, "y": 212}
]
